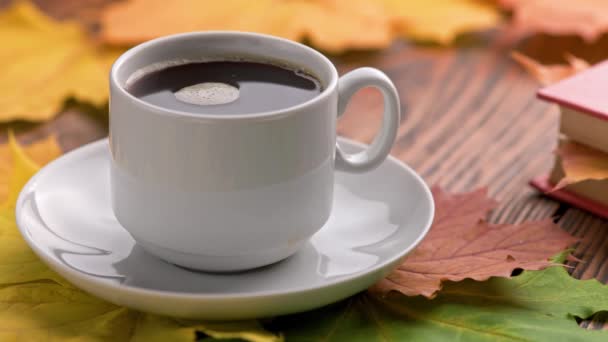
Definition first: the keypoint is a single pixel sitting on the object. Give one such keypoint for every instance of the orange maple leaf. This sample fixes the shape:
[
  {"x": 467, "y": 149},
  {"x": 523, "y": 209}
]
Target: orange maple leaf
[
  {"x": 441, "y": 20},
  {"x": 461, "y": 245},
  {"x": 580, "y": 163},
  {"x": 585, "y": 18},
  {"x": 549, "y": 74},
  {"x": 330, "y": 25}
]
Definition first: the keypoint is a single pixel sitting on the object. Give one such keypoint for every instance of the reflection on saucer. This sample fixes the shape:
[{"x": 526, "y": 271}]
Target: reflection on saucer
[{"x": 355, "y": 224}]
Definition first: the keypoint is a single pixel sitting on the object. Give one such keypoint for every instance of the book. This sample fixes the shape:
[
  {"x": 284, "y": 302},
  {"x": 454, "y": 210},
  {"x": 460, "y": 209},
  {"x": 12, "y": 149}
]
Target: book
[
  {"x": 583, "y": 101},
  {"x": 591, "y": 194}
]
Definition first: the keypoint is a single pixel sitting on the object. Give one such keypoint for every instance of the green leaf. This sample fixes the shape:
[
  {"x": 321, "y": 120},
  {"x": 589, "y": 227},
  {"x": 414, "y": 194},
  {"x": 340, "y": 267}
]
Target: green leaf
[{"x": 535, "y": 306}]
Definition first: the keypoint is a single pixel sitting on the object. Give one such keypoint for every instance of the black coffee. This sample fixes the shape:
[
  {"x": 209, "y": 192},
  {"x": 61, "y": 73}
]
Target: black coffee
[{"x": 225, "y": 87}]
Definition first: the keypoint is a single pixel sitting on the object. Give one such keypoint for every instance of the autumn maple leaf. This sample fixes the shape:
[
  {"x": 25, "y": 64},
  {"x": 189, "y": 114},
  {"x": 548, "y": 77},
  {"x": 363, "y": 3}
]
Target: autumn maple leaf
[
  {"x": 549, "y": 74},
  {"x": 330, "y": 25},
  {"x": 44, "y": 61},
  {"x": 40, "y": 152},
  {"x": 580, "y": 163},
  {"x": 461, "y": 245},
  {"x": 585, "y": 18}
]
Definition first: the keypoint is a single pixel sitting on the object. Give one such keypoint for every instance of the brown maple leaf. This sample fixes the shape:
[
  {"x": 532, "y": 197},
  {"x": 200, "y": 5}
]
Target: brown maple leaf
[
  {"x": 585, "y": 18},
  {"x": 549, "y": 74},
  {"x": 461, "y": 245}
]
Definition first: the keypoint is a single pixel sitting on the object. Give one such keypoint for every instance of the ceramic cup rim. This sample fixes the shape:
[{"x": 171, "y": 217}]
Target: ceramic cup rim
[{"x": 202, "y": 35}]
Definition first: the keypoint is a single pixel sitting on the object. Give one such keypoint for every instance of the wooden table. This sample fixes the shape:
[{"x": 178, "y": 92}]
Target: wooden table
[{"x": 470, "y": 119}]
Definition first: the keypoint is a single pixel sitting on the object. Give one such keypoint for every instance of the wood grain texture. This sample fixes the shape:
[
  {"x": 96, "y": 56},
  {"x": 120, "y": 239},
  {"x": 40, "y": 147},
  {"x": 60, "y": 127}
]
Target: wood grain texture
[{"x": 470, "y": 119}]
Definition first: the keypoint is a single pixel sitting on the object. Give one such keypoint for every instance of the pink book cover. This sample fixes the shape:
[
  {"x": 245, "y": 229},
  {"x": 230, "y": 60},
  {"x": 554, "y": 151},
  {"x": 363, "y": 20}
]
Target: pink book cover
[
  {"x": 542, "y": 184},
  {"x": 586, "y": 91}
]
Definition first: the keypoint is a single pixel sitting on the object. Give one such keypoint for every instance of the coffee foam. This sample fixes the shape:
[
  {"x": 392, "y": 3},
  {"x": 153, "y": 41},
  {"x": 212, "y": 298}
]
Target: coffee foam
[{"x": 208, "y": 93}]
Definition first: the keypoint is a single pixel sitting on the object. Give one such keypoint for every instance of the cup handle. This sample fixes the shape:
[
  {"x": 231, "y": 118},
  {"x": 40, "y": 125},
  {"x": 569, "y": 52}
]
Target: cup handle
[{"x": 379, "y": 149}]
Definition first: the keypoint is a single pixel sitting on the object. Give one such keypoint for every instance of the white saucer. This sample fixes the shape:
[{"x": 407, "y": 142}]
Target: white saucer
[{"x": 64, "y": 214}]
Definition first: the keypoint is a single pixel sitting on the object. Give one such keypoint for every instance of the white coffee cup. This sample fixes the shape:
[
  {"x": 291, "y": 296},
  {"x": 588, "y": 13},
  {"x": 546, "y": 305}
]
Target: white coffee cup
[{"x": 233, "y": 192}]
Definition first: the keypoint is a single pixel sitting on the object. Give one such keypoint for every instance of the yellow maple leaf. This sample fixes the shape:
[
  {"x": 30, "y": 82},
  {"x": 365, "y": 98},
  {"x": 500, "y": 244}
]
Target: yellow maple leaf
[
  {"x": 41, "y": 152},
  {"x": 580, "y": 163},
  {"x": 441, "y": 20},
  {"x": 17, "y": 261},
  {"x": 34, "y": 309},
  {"x": 51, "y": 312},
  {"x": 163, "y": 18},
  {"x": 23, "y": 169},
  {"x": 330, "y": 25},
  {"x": 43, "y": 62},
  {"x": 337, "y": 25}
]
